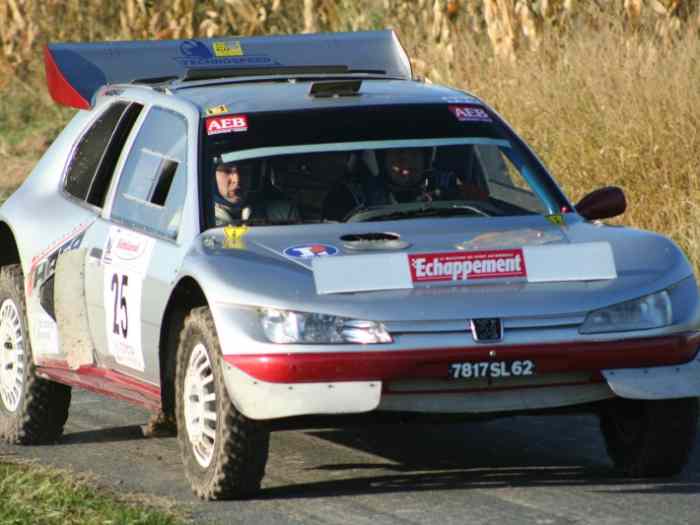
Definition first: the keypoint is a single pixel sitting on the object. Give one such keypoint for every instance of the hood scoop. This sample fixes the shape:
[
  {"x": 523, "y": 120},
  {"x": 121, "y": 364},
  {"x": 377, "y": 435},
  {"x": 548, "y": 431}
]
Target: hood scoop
[{"x": 374, "y": 241}]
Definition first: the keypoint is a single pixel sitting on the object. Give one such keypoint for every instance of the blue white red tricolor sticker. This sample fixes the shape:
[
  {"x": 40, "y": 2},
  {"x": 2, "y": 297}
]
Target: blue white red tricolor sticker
[
  {"x": 228, "y": 124},
  {"x": 307, "y": 251},
  {"x": 469, "y": 113}
]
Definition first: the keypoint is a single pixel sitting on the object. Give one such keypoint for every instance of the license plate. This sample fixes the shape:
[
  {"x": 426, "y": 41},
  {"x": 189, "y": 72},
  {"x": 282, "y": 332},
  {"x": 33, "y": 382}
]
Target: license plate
[{"x": 493, "y": 369}]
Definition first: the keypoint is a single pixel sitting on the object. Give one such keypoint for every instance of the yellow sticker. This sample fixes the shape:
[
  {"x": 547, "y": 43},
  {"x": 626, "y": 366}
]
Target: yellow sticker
[
  {"x": 556, "y": 219},
  {"x": 217, "y": 110},
  {"x": 228, "y": 49},
  {"x": 233, "y": 237}
]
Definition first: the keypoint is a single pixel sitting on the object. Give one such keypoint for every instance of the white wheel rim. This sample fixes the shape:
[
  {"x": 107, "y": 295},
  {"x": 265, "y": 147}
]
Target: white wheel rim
[
  {"x": 11, "y": 355},
  {"x": 200, "y": 405}
]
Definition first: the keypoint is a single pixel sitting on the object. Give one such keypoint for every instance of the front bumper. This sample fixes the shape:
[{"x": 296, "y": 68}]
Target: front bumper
[{"x": 281, "y": 385}]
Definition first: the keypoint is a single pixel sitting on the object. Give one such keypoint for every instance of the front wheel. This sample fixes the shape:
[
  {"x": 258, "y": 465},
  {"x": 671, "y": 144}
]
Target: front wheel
[
  {"x": 650, "y": 438},
  {"x": 224, "y": 452}
]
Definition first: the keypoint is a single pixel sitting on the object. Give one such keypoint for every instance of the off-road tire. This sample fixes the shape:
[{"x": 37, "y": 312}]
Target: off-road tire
[
  {"x": 43, "y": 405},
  {"x": 649, "y": 438},
  {"x": 241, "y": 445}
]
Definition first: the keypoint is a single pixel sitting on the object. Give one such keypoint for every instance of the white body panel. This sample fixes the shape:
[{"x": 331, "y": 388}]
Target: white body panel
[
  {"x": 263, "y": 400},
  {"x": 391, "y": 271},
  {"x": 661, "y": 382}
]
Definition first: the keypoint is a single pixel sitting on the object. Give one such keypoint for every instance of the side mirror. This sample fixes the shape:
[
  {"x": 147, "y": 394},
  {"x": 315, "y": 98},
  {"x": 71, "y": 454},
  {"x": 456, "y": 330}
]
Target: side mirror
[{"x": 602, "y": 203}]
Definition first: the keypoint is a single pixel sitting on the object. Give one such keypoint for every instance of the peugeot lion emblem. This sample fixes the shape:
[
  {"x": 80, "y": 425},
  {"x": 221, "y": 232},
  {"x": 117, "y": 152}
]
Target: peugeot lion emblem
[{"x": 486, "y": 330}]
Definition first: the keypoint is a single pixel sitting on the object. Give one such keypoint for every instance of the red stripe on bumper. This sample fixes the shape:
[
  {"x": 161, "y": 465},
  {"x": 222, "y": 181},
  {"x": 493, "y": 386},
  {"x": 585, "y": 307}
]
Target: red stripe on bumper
[{"x": 391, "y": 365}]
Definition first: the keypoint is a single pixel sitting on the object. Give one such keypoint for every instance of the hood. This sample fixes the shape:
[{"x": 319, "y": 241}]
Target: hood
[{"x": 274, "y": 267}]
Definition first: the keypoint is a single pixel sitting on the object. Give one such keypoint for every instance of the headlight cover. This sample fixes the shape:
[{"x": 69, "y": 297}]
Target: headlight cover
[
  {"x": 286, "y": 326},
  {"x": 650, "y": 311}
]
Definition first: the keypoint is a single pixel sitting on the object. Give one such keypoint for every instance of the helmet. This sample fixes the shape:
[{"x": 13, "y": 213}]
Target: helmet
[{"x": 405, "y": 168}]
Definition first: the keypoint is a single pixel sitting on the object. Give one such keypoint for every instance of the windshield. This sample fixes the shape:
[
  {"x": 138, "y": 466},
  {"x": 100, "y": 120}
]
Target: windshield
[{"x": 487, "y": 174}]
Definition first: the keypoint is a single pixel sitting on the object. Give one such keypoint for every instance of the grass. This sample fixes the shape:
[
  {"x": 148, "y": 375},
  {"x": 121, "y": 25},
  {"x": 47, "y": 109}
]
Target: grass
[{"x": 35, "y": 494}]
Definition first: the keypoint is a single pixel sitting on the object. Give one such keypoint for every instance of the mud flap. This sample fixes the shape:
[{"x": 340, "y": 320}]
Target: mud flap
[
  {"x": 71, "y": 309},
  {"x": 661, "y": 382}
]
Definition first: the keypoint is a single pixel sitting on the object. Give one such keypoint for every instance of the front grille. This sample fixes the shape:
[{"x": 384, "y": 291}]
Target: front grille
[{"x": 462, "y": 325}]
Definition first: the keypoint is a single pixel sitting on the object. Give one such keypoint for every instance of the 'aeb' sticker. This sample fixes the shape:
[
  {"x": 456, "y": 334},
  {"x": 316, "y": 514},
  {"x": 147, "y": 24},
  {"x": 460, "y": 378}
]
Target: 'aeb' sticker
[
  {"x": 229, "y": 124},
  {"x": 465, "y": 113}
]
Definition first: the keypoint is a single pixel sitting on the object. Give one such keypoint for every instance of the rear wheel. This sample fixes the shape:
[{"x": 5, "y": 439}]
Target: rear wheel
[
  {"x": 650, "y": 438},
  {"x": 224, "y": 453},
  {"x": 32, "y": 410}
]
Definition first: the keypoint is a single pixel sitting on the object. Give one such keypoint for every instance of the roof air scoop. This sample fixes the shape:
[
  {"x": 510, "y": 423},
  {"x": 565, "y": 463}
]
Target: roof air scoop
[
  {"x": 374, "y": 241},
  {"x": 335, "y": 88}
]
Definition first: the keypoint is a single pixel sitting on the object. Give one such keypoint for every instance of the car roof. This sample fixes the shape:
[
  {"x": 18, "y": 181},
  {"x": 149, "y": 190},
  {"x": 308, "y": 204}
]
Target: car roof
[{"x": 285, "y": 95}]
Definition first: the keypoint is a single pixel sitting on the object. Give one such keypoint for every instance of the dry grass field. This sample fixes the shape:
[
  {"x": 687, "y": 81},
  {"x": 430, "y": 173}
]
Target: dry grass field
[{"x": 605, "y": 91}]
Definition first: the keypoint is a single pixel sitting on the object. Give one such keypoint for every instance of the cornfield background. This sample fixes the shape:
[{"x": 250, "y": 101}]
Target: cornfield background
[{"x": 606, "y": 91}]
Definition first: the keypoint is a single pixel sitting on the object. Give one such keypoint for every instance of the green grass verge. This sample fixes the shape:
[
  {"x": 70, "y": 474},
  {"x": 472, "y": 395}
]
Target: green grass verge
[{"x": 31, "y": 493}]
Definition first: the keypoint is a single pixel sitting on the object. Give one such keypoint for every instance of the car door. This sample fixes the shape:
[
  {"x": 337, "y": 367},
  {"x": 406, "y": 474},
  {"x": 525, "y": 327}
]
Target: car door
[
  {"x": 56, "y": 292},
  {"x": 132, "y": 267}
]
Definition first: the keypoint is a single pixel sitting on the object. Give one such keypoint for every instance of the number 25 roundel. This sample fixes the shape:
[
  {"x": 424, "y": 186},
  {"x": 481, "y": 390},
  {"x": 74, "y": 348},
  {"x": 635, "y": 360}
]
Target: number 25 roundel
[{"x": 126, "y": 257}]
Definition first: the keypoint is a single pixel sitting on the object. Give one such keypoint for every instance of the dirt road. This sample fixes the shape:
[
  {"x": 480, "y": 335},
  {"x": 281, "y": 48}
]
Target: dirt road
[{"x": 545, "y": 471}]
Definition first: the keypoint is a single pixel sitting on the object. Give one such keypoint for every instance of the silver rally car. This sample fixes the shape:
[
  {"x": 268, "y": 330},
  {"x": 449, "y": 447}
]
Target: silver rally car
[{"x": 243, "y": 232}]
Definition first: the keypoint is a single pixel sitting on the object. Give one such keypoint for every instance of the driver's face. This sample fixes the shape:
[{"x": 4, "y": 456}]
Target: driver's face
[
  {"x": 405, "y": 166},
  {"x": 232, "y": 185}
]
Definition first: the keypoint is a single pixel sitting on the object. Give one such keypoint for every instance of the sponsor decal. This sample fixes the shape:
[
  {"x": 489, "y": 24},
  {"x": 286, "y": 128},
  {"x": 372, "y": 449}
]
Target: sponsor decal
[
  {"x": 468, "y": 113},
  {"x": 46, "y": 334},
  {"x": 466, "y": 266},
  {"x": 217, "y": 110},
  {"x": 195, "y": 49},
  {"x": 307, "y": 251},
  {"x": 232, "y": 124},
  {"x": 127, "y": 249},
  {"x": 195, "y": 53},
  {"x": 459, "y": 100},
  {"x": 43, "y": 266},
  {"x": 227, "y": 49},
  {"x": 233, "y": 237},
  {"x": 556, "y": 219},
  {"x": 124, "y": 246}
]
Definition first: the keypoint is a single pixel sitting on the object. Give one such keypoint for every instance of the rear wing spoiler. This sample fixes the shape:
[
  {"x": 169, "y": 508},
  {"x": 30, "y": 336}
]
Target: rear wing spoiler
[{"x": 74, "y": 72}]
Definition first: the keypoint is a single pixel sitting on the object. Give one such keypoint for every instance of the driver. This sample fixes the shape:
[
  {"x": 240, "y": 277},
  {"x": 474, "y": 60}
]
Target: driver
[
  {"x": 378, "y": 178},
  {"x": 410, "y": 178},
  {"x": 405, "y": 174},
  {"x": 231, "y": 195}
]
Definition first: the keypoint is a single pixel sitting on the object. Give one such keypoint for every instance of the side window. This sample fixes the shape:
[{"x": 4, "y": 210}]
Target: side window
[
  {"x": 92, "y": 166},
  {"x": 151, "y": 190}
]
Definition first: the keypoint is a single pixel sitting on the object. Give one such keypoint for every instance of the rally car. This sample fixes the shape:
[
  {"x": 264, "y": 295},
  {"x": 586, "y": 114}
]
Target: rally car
[{"x": 242, "y": 232}]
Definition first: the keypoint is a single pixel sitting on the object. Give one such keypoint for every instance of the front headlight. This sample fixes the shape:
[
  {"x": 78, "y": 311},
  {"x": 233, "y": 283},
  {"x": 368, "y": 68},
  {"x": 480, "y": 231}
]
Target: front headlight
[
  {"x": 285, "y": 326},
  {"x": 650, "y": 311}
]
